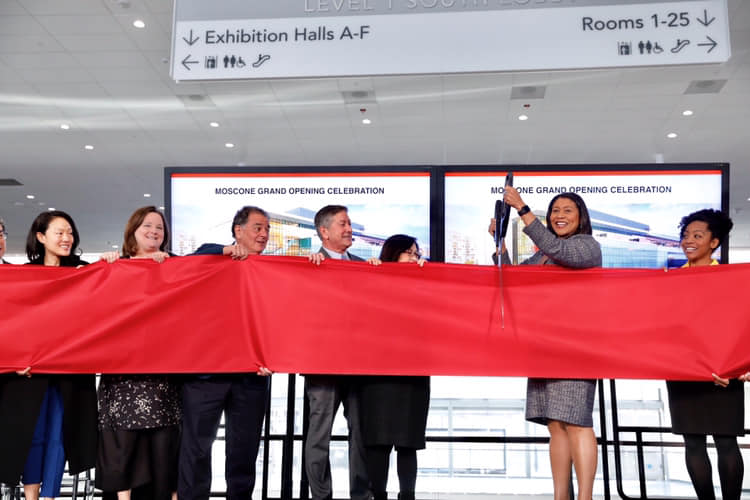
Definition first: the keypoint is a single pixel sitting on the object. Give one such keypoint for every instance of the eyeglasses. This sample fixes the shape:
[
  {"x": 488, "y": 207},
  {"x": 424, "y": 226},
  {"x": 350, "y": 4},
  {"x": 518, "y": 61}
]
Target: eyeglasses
[{"x": 413, "y": 253}]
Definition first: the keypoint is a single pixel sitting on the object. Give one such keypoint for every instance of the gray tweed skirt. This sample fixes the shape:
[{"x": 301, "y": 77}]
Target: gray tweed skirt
[{"x": 569, "y": 401}]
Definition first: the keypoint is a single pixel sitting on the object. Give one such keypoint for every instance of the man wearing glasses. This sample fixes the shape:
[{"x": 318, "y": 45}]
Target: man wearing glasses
[{"x": 3, "y": 239}]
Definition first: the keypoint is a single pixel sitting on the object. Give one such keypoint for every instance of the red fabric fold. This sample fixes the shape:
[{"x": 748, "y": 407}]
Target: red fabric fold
[{"x": 210, "y": 314}]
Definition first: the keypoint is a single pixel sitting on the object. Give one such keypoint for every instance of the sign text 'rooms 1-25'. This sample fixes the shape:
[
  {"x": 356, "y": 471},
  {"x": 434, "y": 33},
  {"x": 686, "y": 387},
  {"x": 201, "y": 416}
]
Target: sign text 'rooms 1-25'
[{"x": 340, "y": 38}]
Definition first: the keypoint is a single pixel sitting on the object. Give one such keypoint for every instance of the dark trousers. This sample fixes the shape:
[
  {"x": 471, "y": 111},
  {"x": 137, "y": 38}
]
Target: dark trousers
[
  {"x": 242, "y": 398},
  {"x": 324, "y": 395}
]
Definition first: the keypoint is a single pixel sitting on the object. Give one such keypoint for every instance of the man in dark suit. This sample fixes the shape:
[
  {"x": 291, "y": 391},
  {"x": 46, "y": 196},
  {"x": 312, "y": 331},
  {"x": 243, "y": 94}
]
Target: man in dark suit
[
  {"x": 3, "y": 236},
  {"x": 242, "y": 396},
  {"x": 326, "y": 392}
]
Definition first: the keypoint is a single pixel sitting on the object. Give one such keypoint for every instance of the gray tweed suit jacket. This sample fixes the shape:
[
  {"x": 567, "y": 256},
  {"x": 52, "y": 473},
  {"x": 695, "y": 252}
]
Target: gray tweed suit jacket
[{"x": 578, "y": 252}]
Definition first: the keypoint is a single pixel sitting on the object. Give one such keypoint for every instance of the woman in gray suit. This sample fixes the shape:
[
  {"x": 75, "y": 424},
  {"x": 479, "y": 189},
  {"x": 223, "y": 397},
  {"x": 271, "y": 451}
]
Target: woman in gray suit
[{"x": 564, "y": 406}]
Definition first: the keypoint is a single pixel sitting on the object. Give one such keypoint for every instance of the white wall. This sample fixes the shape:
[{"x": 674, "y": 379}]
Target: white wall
[{"x": 737, "y": 255}]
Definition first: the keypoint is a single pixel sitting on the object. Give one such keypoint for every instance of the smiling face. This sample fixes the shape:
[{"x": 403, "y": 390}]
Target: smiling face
[
  {"x": 564, "y": 217},
  {"x": 58, "y": 239},
  {"x": 409, "y": 255},
  {"x": 253, "y": 235},
  {"x": 698, "y": 243},
  {"x": 338, "y": 235},
  {"x": 150, "y": 234}
]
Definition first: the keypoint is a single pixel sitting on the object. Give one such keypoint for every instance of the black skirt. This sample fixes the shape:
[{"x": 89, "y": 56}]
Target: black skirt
[
  {"x": 393, "y": 410},
  {"x": 705, "y": 408},
  {"x": 133, "y": 459}
]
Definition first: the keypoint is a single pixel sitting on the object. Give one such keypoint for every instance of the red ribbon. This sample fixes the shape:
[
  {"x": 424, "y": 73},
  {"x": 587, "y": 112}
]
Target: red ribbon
[{"x": 211, "y": 314}]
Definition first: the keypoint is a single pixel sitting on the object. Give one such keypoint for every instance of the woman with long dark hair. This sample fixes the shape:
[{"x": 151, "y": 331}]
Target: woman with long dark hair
[
  {"x": 48, "y": 419},
  {"x": 394, "y": 408},
  {"x": 564, "y": 406},
  {"x": 702, "y": 408}
]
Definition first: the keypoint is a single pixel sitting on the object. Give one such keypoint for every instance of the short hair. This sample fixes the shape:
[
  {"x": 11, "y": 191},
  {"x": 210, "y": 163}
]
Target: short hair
[
  {"x": 2, "y": 224},
  {"x": 35, "y": 250},
  {"x": 129, "y": 244},
  {"x": 718, "y": 222},
  {"x": 243, "y": 214},
  {"x": 395, "y": 245},
  {"x": 324, "y": 216},
  {"x": 584, "y": 220}
]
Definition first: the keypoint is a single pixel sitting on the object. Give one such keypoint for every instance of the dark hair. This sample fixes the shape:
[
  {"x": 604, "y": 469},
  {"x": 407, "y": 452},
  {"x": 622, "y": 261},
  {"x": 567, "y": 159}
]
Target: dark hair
[
  {"x": 395, "y": 246},
  {"x": 243, "y": 214},
  {"x": 2, "y": 224},
  {"x": 35, "y": 249},
  {"x": 718, "y": 223},
  {"x": 325, "y": 214},
  {"x": 129, "y": 244},
  {"x": 584, "y": 221}
]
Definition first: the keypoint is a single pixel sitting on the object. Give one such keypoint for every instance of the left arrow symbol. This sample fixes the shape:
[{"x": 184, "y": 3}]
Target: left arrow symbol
[
  {"x": 190, "y": 40},
  {"x": 187, "y": 61}
]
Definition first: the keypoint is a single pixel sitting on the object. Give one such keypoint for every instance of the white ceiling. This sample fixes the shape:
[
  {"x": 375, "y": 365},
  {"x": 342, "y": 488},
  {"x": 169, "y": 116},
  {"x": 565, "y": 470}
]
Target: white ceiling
[{"x": 82, "y": 62}]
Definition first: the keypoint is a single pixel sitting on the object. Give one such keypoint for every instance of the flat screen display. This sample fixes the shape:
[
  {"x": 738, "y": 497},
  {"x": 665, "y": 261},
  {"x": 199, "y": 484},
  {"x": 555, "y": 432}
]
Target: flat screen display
[
  {"x": 381, "y": 203},
  {"x": 634, "y": 213}
]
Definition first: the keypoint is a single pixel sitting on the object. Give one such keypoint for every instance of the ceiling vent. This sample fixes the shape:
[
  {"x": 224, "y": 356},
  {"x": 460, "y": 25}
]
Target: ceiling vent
[
  {"x": 358, "y": 96},
  {"x": 705, "y": 86},
  {"x": 196, "y": 101},
  {"x": 528, "y": 92},
  {"x": 9, "y": 182}
]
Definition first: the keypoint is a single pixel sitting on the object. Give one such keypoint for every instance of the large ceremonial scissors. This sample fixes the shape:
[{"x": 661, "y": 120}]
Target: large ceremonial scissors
[{"x": 502, "y": 216}]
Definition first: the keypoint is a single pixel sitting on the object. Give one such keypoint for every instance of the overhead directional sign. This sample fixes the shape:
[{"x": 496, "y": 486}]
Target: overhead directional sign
[{"x": 236, "y": 39}]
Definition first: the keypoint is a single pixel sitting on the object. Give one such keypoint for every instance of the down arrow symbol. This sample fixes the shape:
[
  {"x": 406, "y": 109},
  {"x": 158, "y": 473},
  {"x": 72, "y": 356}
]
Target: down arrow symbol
[
  {"x": 190, "y": 40},
  {"x": 705, "y": 21}
]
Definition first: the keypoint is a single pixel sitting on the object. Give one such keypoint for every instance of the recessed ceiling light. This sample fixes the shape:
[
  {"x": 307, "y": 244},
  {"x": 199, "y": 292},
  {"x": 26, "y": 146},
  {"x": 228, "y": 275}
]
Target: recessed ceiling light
[
  {"x": 64, "y": 126},
  {"x": 138, "y": 23},
  {"x": 51, "y": 209},
  {"x": 523, "y": 118},
  {"x": 687, "y": 112},
  {"x": 671, "y": 135},
  {"x": 229, "y": 145},
  {"x": 161, "y": 207},
  {"x": 88, "y": 147},
  {"x": 115, "y": 246},
  {"x": 214, "y": 124},
  {"x": 147, "y": 195},
  {"x": 30, "y": 196},
  {"x": 366, "y": 121}
]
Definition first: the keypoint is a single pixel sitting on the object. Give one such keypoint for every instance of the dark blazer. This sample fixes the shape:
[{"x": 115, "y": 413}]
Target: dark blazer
[
  {"x": 349, "y": 254},
  {"x": 207, "y": 249},
  {"x": 333, "y": 378},
  {"x": 210, "y": 249},
  {"x": 20, "y": 403}
]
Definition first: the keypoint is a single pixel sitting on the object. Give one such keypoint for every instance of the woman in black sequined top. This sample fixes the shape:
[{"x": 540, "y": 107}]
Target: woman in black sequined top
[{"x": 139, "y": 415}]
